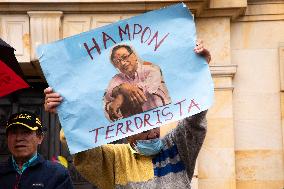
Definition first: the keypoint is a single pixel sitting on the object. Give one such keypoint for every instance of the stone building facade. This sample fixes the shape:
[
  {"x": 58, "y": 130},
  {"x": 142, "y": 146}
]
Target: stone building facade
[{"x": 244, "y": 145}]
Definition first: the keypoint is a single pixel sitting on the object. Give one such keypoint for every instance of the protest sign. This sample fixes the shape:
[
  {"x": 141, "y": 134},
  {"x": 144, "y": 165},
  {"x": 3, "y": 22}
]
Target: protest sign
[{"x": 127, "y": 77}]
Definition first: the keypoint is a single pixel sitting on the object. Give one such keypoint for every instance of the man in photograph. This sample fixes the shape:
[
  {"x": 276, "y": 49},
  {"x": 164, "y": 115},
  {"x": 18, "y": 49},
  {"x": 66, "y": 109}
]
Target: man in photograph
[{"x": 139, "y": 86}]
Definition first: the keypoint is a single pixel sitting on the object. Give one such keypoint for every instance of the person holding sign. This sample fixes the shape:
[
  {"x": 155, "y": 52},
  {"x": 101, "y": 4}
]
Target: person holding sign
[
  {"x": 139, "y": 86},
  {"x": 146, "y": 161}
]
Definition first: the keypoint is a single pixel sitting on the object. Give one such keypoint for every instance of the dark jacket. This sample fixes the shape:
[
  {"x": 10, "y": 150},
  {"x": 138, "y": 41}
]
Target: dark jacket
[{"x": 41, "y": 174}]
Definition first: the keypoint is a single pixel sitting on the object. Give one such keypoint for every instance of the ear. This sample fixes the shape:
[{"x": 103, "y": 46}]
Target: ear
[{"x": 40, "y": 139}]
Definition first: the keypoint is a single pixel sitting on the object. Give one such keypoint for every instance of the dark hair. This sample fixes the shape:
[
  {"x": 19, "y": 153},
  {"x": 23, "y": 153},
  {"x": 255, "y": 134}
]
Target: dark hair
[{"x": 127, "y": 47}]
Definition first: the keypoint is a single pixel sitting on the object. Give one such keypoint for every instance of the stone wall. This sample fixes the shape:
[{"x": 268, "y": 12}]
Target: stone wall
[{"x": 255, "y": 43}]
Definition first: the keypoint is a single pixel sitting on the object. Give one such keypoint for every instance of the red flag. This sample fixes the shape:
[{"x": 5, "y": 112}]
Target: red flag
[{"x": 9, "y": 80}]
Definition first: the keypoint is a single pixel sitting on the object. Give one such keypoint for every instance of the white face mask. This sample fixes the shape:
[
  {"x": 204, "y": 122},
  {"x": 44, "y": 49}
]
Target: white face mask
[{"x": 149, "y": 147}]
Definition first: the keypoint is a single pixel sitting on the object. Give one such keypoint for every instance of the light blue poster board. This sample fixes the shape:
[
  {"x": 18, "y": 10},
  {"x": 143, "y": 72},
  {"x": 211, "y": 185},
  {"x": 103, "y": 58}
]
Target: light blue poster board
[{"x": 177, "y": 81}]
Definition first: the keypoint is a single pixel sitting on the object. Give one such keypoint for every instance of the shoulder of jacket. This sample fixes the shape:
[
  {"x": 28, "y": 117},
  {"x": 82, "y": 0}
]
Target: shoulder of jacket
[
  {"x": 53, "y": 166},
  {"x": 5, "y": 167}
]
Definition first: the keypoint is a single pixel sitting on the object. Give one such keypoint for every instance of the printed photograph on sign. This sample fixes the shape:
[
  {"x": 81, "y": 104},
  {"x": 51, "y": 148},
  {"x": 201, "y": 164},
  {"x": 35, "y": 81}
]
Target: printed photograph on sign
[{"x": 137, "y": 87}]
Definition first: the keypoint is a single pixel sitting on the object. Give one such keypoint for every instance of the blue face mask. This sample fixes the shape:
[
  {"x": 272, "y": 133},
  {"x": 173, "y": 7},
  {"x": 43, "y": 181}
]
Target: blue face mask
[{"x": 149, "y": 147}]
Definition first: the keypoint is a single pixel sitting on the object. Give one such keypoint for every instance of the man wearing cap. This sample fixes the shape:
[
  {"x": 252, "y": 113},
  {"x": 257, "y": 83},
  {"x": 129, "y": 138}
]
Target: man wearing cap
[{"x": 26, "y": 168}]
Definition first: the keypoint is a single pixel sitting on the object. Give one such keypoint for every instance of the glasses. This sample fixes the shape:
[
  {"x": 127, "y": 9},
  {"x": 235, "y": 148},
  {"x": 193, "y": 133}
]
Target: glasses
[{"x": 122, "y": 58}]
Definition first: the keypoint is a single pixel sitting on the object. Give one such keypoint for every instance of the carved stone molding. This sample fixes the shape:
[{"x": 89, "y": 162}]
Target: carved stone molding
[
  {"x": 223, "y": 76},
  {"x": 227, "y": 3},
  {"x": 225, "y": 8},
  {"x": 264, "y": 1},
  {"x": 233, "y": 13},
  {"x": 94, "y": 6},
  {"x": 263, "y": 11},
  {"x": 204, "y": 8},
  {"x": 223, "y": 70}
]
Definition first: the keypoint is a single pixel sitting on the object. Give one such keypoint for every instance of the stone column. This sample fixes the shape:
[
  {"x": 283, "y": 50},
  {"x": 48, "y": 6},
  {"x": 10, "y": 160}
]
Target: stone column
[
  {"x": 257, "y": 110},
  {"x": 216, "y": 164},
  {"x": 45, "y": 27}
]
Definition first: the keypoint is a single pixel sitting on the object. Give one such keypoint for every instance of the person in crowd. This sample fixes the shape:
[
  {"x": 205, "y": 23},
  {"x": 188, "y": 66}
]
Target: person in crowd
[{"x": 26, "y": 168}]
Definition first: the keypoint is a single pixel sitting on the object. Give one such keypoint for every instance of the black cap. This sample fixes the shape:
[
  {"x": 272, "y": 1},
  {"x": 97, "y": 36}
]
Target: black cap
[{"x": 26, "y": 119}]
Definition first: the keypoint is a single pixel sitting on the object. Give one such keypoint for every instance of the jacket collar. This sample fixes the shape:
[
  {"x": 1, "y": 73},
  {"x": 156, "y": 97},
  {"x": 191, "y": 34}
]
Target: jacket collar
[{"x": 25, "y": 165}]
